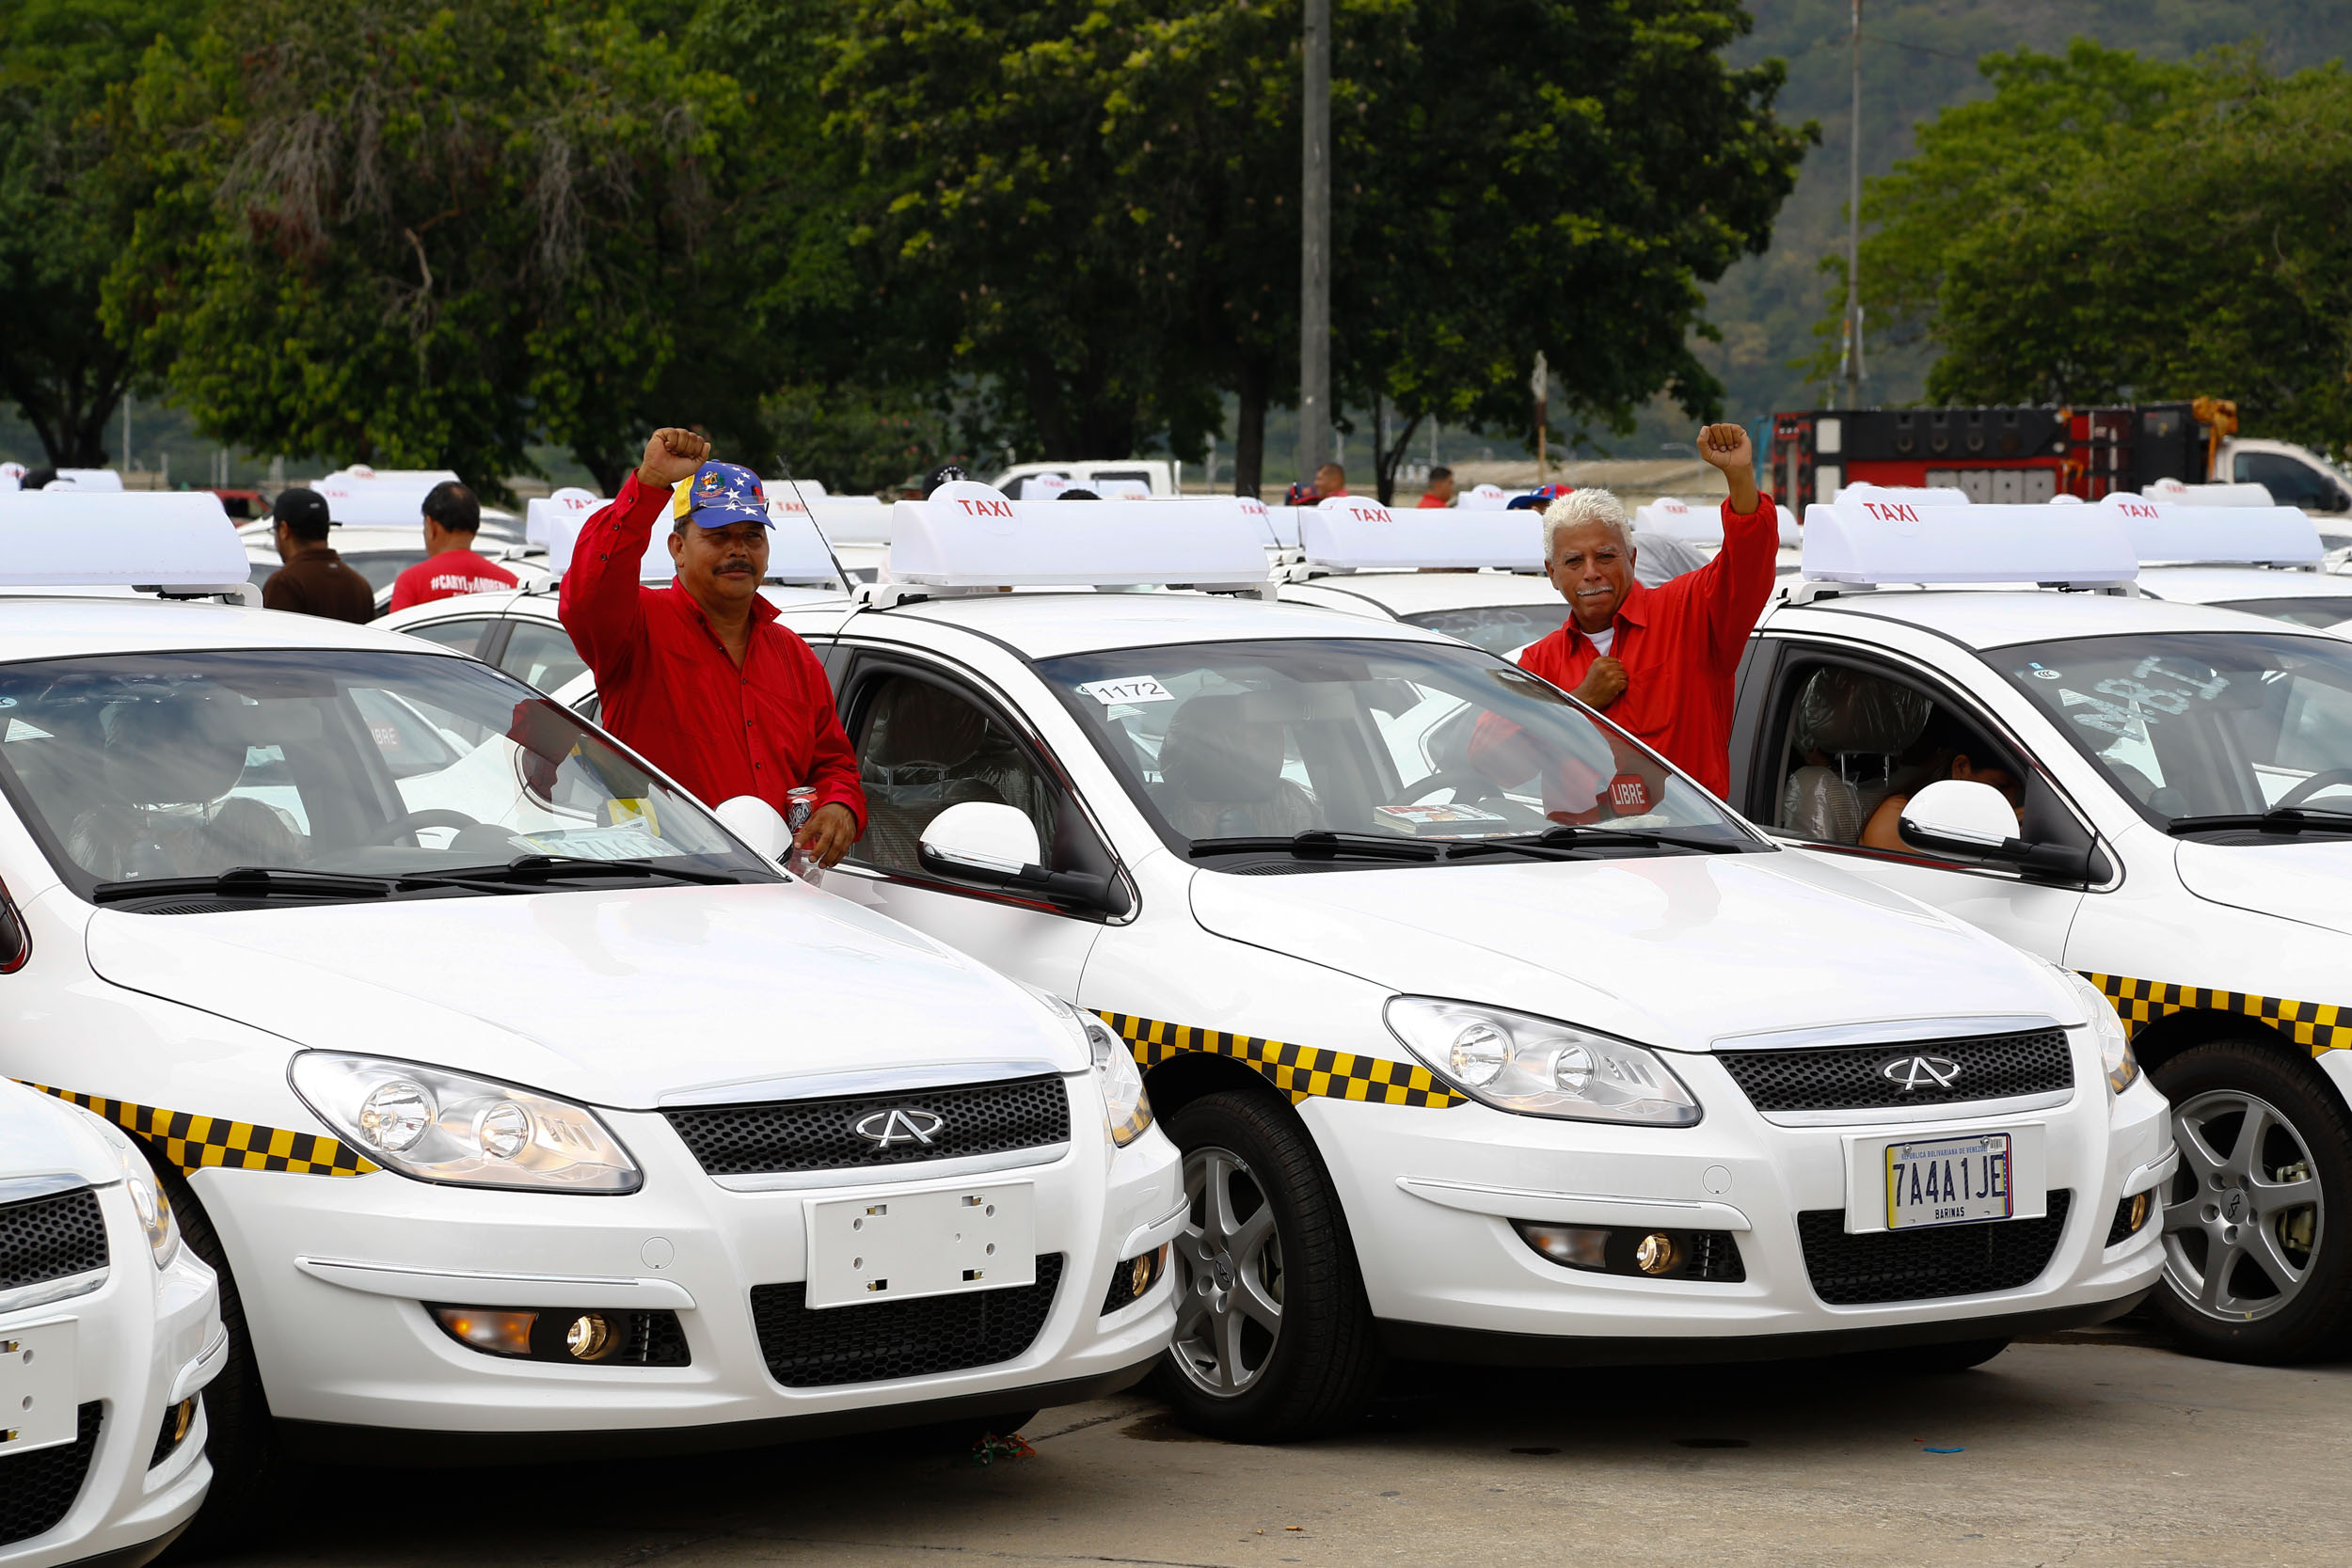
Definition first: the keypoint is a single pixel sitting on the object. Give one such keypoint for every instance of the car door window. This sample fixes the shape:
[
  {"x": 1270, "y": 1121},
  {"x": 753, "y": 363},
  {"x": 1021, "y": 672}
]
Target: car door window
[
  {"x": 466, "y": 636},
  {"x": 2290, "y": 482},
  {"x": 1857, "y": 741},
  {"x": 540, "y": 654},
  {"x": 922, "y": 747}
]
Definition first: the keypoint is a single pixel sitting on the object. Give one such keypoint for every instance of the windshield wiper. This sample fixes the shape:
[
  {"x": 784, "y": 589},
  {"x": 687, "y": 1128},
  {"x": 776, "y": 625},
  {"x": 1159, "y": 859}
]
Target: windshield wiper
[
  {"x": 540, "y": 870},
  {"x": 2278, "y": 819},
  {"x": 1322, "y": 845},
  {"x": 250, "y": 881},
  {"x": 1564, "y": 841}
]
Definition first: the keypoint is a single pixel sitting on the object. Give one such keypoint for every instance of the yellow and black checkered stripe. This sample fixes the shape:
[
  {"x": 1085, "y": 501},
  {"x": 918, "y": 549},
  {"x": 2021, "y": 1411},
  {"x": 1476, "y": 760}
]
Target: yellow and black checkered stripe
[
  {"x": 2317, "y": 1025},
  {"x": 1299, "y": 1070},
  {"x": 192, "y": 1142}
]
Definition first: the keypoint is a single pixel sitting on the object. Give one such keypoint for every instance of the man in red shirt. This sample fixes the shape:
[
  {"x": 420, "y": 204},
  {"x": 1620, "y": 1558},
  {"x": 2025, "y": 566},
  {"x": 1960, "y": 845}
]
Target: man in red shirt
[
  {"x": 450, "y": 568},
  {"x": 698, "y": 676},
  {"x": 1659, "y": 661},
  {"x": 1441, "y": 488}
]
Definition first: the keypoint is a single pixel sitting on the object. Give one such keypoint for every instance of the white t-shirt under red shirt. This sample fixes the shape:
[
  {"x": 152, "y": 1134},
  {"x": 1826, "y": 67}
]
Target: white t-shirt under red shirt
[{"x": 446, "y": 575}]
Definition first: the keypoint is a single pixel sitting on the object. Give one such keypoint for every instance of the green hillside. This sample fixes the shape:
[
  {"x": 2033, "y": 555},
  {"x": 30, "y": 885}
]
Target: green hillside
[{"x": 1919, "y": 56}]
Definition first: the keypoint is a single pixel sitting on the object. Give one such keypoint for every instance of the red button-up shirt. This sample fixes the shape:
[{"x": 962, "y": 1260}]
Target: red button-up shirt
[
  {"x": 1680, "y": 644},
  {"x": 672, "y": 692}
]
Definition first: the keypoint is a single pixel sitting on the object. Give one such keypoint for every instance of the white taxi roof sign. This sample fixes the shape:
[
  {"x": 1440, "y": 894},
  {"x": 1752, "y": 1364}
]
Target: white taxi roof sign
[
  {"x": 2216, "y": 534},
  {"x": 2180, "y": 493},
  {"x": 1940, "y": 494},
  {"x": 1282, "y": 523},
  {"x": 396, "y": 496},
  {"x": 796, "y": 551},
  {"x": 1482, "y": 498},
  {"x": 540, "y": 514},
  {"x": 1874, "y": 538},
  {"x": 970, "y": 535},
  {"x": 1358, "y": 533},
  {"x": 180, "y": 541},
  {"x": 842, "y": 519},
  {"x": 1182, "y": 510}
]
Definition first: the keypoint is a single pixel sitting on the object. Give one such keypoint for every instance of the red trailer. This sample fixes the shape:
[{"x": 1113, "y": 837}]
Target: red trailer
[{"x": 1994, "y": 454}]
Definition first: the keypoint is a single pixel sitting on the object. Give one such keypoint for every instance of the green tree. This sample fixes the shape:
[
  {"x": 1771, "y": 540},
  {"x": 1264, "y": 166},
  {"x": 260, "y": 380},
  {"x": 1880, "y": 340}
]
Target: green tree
[
  {"x": 2106, "y": 229},
  {"x": 72, "y": 187}
]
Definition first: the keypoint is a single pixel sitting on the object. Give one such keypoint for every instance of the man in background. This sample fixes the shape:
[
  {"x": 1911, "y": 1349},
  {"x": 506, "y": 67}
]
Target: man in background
[
  {"x": 314, "y": 580},
  {"x": 451, "y": 519},
  {"x": 1330, "y": 480},
  {"x": 1440, "y": 491}
]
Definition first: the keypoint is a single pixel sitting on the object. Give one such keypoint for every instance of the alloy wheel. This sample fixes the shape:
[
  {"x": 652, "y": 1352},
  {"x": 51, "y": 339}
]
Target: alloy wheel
[
  {"x": 1228, "y": 1264},
  {"x": 2242, "y": 1223}
]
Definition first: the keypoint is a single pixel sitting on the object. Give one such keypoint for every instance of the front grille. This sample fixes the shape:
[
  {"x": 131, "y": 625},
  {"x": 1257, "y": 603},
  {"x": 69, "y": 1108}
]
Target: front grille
[
  {"x": 1853, "y": 1077},
  {"x": 820, "y": 1134},
  {"x": 1714, "y": 1256},
  {"x": 37, "y": 1489},
  {"x": 1922, "y": 1265},
  {"x": 51, "y": 1237},
  {"x": 822, "y": 1349}
]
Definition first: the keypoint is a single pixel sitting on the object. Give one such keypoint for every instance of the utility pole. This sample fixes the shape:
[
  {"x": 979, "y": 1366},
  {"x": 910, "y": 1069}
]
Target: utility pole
[
  {"x": 1852, "y": 369},
  {"x": 1540, "y": 383},
  {"x": 1315, "y": 248}
]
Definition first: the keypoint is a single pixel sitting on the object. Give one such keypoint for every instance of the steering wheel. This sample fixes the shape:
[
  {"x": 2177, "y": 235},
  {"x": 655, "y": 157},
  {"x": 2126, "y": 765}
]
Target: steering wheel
[
  {"x": 431, "y": 816},
  {"x": 1456, "y": 778},
  {"x": 2312, "y": 786}
]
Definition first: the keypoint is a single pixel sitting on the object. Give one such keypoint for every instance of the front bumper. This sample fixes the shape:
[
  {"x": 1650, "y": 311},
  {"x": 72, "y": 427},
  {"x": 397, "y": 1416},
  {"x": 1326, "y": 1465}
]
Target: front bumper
[
  {"x": 144, "y": 1340},
  {"x": 337, "y": 1273},
  {"x": 1430, "y": 1196}
]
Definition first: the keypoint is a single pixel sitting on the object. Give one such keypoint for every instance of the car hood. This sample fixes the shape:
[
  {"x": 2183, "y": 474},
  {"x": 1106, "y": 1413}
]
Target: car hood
[
  {"x": 2304, "y": 880},
  {"x": 619, "y": 999},
  {"x": 1679, "y": 951},
  {"x": 46, "y": 1137}
]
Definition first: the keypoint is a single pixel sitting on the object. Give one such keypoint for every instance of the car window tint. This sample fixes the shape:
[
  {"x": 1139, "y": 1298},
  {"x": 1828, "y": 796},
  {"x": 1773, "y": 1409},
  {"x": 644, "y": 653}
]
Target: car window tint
[
  {"x": 465, "y": 635},
  {"x": 1501, "y": 628},
  {"x": 921, "y": 749},
  {"x": 1857, "y": 746},
  {"x": 541, "y": 655},
  {"x": 2316, "y": 611},
  {"x": 2290, "y": 482}
]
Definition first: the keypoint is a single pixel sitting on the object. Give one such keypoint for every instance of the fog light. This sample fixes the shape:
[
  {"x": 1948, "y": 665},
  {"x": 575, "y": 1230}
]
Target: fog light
[
  {"x": 1578, "y": 1246},
  {"x": 489, "y": 1329},
  {"x": 1133, "y": 1277},
  {"x": 2139, "y": 1216},
  {"x": 1658, "y": 1253},
  {"x": 590, "y": 1338}
]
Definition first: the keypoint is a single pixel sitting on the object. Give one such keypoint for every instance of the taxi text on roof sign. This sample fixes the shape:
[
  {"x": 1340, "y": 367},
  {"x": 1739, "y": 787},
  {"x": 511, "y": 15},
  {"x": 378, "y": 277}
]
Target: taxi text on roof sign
[
  {"x": 1355, "y": 533},
  {"x": 173, "y": 540},
  {"x": 365, "y": 496},
  {"x": 2160, "y": 531},
  {"x": 968, "y": 535},
  {"x": 540, "y": 516},
  {"x": 1878, "y": 539}
]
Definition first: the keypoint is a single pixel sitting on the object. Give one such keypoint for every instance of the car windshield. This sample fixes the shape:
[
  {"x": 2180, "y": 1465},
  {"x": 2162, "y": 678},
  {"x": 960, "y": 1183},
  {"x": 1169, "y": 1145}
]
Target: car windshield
[
  {"x": 361, "y": 764},
  {"x": 2315, "y": 611},
  {"x": 1500, "y": 628},
  {"x": 1379, "y": 742},
  {"x": 2194, "y": 725}
]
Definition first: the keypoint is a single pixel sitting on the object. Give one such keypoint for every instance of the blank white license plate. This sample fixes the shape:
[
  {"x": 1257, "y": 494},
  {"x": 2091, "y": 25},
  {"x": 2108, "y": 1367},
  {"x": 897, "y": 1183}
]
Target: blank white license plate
[
  {"x": 1949, "y": 1181},
  {"x": 982, "y": 1237},
  {"x": 36, "y": 1387}
]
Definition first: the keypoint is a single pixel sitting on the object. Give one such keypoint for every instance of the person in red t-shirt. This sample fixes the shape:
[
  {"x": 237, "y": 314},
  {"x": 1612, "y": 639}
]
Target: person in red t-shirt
[
  {"x": 1441, "y": 488},
  {"x": 450, "y": 568},
  {"x": 1659, "y": 661},
  {"x": 698, "y": 676}
]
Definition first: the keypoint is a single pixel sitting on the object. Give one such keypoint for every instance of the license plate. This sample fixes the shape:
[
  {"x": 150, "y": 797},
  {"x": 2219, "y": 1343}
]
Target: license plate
[
  {"x": 36, "y": 1387},
  {"x": 1950, "y": 1182},
  {"x": 931, "y": 1244}
]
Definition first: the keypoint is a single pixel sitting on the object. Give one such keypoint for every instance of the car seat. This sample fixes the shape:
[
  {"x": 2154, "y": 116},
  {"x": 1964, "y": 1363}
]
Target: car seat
[
  {"x": 167, "y": 765},
  {"x": 1221, "y": 774},
  {"x": 926, "y": 750},
  {"x": 1861, "y": 724}
]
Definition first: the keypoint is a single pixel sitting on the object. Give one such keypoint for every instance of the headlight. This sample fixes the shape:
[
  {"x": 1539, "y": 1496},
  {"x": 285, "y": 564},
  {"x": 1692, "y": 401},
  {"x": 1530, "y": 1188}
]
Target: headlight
[
  {"x": 2115, "y": 1042},
  {"x": 441, "y": 1126},
  {"x": 148, "y": 1198},
  {"x": 1540, "y": 1067},
  {"x": 1116, "y": 1075}
]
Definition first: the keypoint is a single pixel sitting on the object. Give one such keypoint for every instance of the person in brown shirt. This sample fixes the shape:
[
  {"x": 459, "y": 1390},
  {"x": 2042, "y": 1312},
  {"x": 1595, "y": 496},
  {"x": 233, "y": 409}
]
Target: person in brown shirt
[{"x": 314, "y": 580}]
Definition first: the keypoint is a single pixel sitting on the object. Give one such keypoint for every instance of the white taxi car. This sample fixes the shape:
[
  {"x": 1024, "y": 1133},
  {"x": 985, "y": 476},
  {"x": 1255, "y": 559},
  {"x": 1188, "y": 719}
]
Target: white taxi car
[
  {"x": 109, "y": 1331},
  {"x": 1454, "y": 1078},
  {"x": 739, "y": 1162},
  {"x": 2156, "y": 795}
]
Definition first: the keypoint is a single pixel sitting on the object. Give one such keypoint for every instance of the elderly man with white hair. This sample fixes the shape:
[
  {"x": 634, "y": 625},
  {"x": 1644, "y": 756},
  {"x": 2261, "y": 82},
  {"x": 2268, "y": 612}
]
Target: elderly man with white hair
[{"x": 1661, "y": 659}]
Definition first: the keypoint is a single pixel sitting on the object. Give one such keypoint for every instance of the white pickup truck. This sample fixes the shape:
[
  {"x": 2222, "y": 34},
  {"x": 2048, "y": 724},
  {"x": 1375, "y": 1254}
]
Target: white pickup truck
[{"x": 1107, "y": 477}]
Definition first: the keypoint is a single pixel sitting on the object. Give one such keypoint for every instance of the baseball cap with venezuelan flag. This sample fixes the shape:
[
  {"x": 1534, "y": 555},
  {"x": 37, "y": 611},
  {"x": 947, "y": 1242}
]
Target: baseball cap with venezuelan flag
[{"x": 720, "y": 493}]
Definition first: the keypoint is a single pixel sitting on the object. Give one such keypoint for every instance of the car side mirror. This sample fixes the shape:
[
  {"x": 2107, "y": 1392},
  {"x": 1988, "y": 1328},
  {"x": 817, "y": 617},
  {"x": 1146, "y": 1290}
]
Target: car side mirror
[
  {"x": 757, "y": 824},
  {"x": 1960, "y": 817},
  {"x": 981, "y": 841}
]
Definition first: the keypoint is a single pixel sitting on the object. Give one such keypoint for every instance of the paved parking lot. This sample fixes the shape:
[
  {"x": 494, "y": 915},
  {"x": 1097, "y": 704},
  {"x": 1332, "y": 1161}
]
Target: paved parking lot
[{"x": 2095, "y": 1448}]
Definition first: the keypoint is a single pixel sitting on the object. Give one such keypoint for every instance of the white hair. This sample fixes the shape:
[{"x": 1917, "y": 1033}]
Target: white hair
[{"x": 1578, "y": 507}]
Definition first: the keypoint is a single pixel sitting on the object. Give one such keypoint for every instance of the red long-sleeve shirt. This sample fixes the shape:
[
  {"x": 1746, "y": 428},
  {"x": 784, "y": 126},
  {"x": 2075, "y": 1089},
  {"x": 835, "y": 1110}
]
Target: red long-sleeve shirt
[
  {"x": 1680, "y": 644},
  {"x": 672, "y": 692}
]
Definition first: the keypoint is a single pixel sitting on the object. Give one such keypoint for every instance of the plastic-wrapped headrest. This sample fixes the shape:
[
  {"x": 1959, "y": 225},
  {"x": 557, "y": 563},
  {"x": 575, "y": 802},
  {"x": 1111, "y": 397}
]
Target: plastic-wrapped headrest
[
  {"x": 1844, "y": 712},
  {"x": 176, "y": 752},
  {"x": 920, "y": 722},
  {"x": 1214, "y": 753}
]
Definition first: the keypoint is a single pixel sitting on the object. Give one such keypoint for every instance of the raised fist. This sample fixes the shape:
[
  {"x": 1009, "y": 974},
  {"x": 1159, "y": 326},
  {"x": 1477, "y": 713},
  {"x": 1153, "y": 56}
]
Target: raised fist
[
  {"x": 671, "y": 455},
  {"x": 1727, "y": 447}
]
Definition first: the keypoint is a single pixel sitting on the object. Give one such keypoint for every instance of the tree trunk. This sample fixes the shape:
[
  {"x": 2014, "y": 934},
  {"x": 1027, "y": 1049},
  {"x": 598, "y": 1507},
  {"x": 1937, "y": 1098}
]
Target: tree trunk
[
  {"x": 1386, "y": 463},
  {"x": 1250, "y": 430},
  {"x": 605, "y": 469}
]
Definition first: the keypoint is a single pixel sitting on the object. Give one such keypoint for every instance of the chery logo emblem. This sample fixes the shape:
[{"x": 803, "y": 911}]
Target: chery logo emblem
[
  {"x": 886, "y": 1128},
  {"x": 1920, "y": 1073}
]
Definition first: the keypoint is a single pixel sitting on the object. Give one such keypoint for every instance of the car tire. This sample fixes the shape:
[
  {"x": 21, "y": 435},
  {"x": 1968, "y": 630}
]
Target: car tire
[
  {"x": 2227, "y": 1201},
  {"x": 1264, "y": 1232},
  {"x": 236, "y": 1411}
]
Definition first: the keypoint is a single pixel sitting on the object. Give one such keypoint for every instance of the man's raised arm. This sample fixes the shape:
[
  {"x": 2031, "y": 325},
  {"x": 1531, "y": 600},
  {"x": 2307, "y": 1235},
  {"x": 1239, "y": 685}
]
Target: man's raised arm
[
  {"x": 1736, "y": 584},
  {"x": 599, "y": 605}
]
